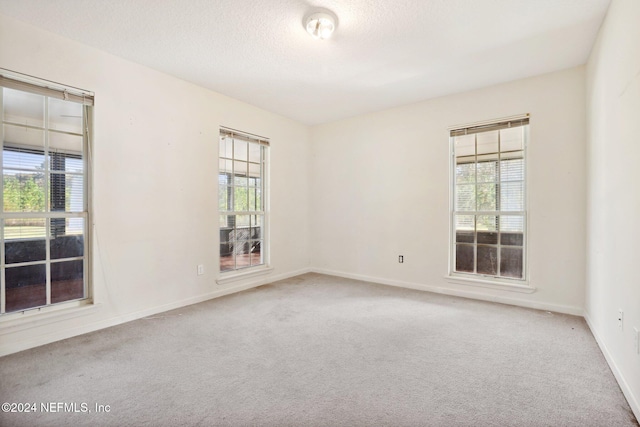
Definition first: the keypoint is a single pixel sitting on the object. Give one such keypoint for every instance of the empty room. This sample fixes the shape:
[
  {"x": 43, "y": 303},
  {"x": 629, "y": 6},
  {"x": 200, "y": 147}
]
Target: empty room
[{"x": 331, "y": 213}]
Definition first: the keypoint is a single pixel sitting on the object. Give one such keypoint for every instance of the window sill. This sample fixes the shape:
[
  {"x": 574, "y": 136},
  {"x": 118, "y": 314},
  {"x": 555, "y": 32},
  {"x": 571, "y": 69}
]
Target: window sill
[
  {"x": 235, "y": 276},
  {"x": 519, "y": 286},
  {"x": 22, "y": 320}
]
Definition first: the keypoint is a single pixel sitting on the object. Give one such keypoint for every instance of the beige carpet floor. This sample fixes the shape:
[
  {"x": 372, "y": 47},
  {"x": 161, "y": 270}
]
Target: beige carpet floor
[{"x": 317, "y": 350}]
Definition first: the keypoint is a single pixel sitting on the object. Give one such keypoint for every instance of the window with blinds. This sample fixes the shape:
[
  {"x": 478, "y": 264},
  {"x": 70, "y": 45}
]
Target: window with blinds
[
  {"x": 241, "y": 200},
  {"x": 44, "y": 215},
  {"x": 489, "y": 199}
]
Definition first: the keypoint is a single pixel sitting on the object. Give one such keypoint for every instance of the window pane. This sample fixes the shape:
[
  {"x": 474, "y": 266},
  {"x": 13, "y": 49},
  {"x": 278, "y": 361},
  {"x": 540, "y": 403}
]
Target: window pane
[
  {"x": 243, "y": 254},
  {"x": 226, "y": 167},
  {"x": 256, "y": 226},
  {"x": 67, "y": 281},
  {"x": 23, "y": 107},
  {"x": 486, "y": 228},
  {"x": 487, "y": 142},
  {"x": 23, "y": 148},
  {"x": 512, "y": 155},
  {"x": 254, "y": 171},
  {"x": 224, "y": 196},
  {"x": 242, "y": 221},
  {"x": 26, "y": 287},
  {"x": 227, "y": 261},
  {"x": 65, "y": 116},
  {"x": 67, "y": 237},
  {"x": 256, "y": 252},
  {"x": 465, "y": 145},
  {"x": 240, "y": 168},
  {"x": 465, "y": 228},
  {"x": 465, "y": 198},
  {"x": 73, "y": 164},
  {"x": 511, "y": 223},
  {"x": 512, "y": 196},
  {"x": 23, "y": 191},
  {"x": 227, "y": 221},
  {"x": 63, "y": 145},
  {"x": 23, "y": 159},
  {"x": 512, "y": 139},
  {"x": 488, "y": 237},
  {"x": 226, "y": 147},
  {"x": 254, "y": 152},
  {"x": 240, "y": 150},
  {"x": 240, "y": 199},
  {"x": 512, "y": 170},
  {"x": 466, "y": 173},
  {"x": 24, "y": 240},
  {"x": 511, "y": 230},
  {"x": 465, "y": 258},
  {"x": 487, "y": 260},
  {"x": 486, "y": 223},
  {"x": 488, "y": 171},
  {"x": 511, "y": 262},
  {"x": 252, "y": 199},
  {"x": 487, "y": 200},
  {"x": 511, "y": 239},
  {"x": 67, "y": 192},
  {"x": 240, "y": 180}
]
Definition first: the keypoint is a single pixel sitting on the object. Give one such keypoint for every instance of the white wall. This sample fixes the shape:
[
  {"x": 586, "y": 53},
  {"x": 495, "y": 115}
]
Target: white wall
[
  {"x": 380, "y": 186},
  {"x": 155, "y": 183},
  {"x": 613, "y": 253}
]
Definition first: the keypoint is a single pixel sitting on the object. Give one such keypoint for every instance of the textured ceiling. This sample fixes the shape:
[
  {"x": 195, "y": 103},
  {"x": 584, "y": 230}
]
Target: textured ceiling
[{"x": 384, "y": 53}]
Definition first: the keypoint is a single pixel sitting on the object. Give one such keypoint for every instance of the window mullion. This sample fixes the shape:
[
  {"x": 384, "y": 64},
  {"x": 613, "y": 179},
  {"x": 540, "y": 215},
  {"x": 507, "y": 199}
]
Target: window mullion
[
  {"x": 499, "y": 203},
  {"x": 475, "y": 216},
  {"x": 233, "y": 218},
  {"x": 47, "y": 196}
]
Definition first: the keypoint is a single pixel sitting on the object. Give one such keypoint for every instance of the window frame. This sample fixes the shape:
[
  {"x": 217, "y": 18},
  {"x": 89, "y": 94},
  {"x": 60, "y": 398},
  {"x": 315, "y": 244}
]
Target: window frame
[
  {"x": 226, "y": 276},
  {"x": 474, "y": 278},
  {"x": 51, "y": 90}
]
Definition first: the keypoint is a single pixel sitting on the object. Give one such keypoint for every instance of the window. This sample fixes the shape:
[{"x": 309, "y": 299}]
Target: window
[
  {"x": 44, "y": 214},
  {"x": 241, "y": 200},
  {"x": 488, "y": 214}
]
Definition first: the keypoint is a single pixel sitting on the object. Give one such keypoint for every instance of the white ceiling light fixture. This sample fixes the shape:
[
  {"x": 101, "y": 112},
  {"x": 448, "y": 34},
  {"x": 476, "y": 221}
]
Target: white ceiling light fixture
[{"x": 321, "y": 24}]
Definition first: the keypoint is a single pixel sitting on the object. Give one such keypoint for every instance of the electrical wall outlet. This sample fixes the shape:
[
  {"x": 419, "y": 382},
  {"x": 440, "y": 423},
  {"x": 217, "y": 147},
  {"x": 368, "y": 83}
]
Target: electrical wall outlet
[
  {"x": 400, "y": 259},
  {"x": 620, "y": 318},
  {"x": 200, "y": 269}
]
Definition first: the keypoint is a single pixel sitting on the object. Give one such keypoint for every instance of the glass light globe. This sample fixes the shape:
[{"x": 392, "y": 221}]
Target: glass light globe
[{"x": 320, "y": 25}]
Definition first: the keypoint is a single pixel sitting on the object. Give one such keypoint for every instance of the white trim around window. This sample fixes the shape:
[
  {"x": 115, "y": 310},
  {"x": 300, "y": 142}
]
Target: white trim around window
[
  {"x": 243, "y": 201},
  {"x": 488, "y": 204}
]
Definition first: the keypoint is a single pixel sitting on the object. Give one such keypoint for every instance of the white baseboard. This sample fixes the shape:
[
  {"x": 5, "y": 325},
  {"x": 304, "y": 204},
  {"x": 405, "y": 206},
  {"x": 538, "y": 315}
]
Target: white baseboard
[
  {"x": 633, "y": 400},
  {"x": 558, "y": 308},
  {"x": 8, "y": 347}
]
